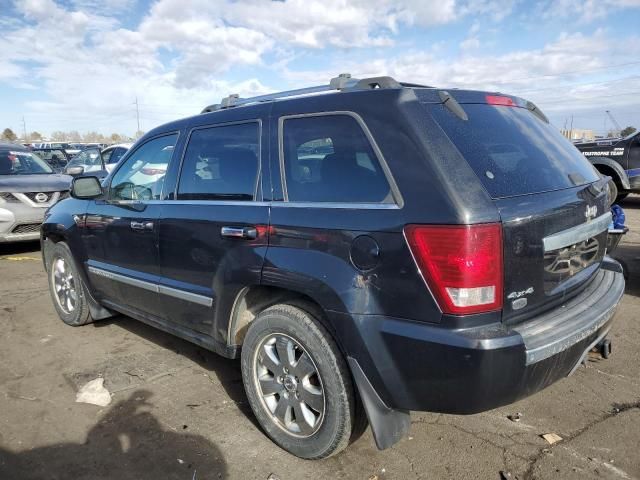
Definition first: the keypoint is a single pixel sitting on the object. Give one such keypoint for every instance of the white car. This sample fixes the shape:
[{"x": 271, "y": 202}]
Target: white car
[{"x": 96, "y": 160}]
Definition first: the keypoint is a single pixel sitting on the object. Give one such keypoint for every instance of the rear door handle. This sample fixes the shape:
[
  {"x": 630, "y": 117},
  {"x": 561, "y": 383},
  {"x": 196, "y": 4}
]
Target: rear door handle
[
  {"x": 141, "y": 226},
  {"x": 250, "y": 233}
]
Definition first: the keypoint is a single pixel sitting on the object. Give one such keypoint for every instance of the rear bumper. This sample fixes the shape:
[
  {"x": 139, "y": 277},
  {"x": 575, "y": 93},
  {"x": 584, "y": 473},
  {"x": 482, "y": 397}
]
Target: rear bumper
[{"x": 413, "y": 366}]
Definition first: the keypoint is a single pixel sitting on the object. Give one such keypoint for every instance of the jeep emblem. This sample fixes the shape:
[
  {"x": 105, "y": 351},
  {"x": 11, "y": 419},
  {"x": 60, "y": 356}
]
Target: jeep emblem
[{"x": 591, "y": 212}]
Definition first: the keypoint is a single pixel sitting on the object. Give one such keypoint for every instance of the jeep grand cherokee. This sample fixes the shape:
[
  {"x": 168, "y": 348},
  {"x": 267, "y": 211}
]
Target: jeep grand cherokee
[{"x": 365, "y": 248}]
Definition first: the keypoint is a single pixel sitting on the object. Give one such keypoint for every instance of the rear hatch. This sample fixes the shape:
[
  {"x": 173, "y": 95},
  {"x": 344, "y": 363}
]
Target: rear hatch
[{"x": 552, "y": 203}]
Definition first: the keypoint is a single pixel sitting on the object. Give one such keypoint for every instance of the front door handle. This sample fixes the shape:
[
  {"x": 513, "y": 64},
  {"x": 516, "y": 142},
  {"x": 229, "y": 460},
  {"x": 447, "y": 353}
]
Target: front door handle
[
  {"x": 141, "y": 226},
  {"x": 250, "y": 233}
]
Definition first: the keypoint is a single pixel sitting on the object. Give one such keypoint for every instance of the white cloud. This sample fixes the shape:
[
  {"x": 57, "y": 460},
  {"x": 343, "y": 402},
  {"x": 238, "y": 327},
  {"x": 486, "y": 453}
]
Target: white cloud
[
  {"x": 584, "y": 11},
  {"x": 182, "y": 54}
]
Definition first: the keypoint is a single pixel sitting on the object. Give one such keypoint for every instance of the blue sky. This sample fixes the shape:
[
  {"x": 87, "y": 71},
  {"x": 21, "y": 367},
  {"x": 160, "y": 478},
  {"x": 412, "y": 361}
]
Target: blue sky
[{"x": 80, "y": 64}]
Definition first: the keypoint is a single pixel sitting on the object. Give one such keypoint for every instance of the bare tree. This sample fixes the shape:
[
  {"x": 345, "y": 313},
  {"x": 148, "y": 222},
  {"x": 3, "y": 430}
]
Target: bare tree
[
  {"x": 9, "y": 135},
  {"x": 74, "y": 136},
  {"x": 59, "y": 136}
]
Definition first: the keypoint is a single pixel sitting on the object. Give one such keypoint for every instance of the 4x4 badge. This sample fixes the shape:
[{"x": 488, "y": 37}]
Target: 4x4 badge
[{"x": 521, "y": 293}]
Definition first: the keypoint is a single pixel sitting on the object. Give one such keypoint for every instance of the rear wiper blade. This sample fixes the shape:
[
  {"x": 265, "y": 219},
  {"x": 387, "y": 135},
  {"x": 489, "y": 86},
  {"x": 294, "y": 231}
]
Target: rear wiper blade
[{"x": 453, "y": 105}]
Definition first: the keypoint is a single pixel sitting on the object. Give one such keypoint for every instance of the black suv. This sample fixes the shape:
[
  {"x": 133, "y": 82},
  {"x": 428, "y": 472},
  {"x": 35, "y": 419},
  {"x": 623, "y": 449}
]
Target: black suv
[
  {"x": 366, "y": 248},
  {"x": 618, "y": 158}
]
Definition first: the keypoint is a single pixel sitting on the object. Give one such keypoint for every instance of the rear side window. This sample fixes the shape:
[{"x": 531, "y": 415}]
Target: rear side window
[
  {"x": 221, "y": 163},
  {"x": 328, "y": 158},
  {"x": 512, "y": 151}
]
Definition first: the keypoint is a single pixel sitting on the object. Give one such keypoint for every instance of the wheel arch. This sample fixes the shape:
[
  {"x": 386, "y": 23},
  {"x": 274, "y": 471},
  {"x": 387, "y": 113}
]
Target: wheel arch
[
  {"x": 613, "y": 169},
  {"x": 253, "y": 299}
]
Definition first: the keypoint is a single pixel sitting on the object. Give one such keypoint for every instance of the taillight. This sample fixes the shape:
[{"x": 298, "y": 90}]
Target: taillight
[
  {"x": 462, "y": 264},
  {"x": 500, "y": 100}
]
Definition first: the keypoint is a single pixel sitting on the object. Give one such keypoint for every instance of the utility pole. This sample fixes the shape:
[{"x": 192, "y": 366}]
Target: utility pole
[
  {"x": 571, "y": 133},
  {"x": 24, "y": 129},
  {"x": 137, "y": 116}
]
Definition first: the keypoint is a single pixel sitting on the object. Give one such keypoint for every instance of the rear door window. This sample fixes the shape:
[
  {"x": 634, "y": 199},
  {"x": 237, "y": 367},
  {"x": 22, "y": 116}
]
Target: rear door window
[
  {"x": 512, "y": 151},
  {"x": 328, "y": 158},
  {"x": 221, "y": 163}
]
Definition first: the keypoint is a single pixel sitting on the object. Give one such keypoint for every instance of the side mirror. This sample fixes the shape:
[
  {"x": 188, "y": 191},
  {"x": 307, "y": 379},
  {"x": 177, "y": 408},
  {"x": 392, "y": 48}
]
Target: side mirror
[
  {"x": 86, "y": 188},
  {"x": 73, "y": 171}
]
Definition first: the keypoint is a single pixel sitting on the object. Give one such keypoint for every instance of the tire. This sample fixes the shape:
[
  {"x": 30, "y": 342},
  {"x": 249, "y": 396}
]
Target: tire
[
  {"x": 65, "y": 285},
  {"x": 289, "y": 359},
  {"x": 620, "y": 197}
]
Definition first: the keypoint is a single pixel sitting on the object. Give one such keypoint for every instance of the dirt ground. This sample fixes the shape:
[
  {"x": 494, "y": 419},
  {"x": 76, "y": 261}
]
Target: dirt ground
[{"x": 179, "y": 412}]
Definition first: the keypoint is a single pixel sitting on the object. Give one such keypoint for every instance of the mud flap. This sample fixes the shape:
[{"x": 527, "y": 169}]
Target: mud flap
[{"x": 388, "y": 425}]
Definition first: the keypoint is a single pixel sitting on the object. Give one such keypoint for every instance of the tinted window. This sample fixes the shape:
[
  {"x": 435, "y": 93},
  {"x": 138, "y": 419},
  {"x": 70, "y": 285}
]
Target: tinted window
[
  {"x": 328, "y": 158},
  {"x": 221, "y": 163},
  {"x": 141, "y": 177},
  {"x": 513, "y": 152},
  {"x": 116, "y": 154}
]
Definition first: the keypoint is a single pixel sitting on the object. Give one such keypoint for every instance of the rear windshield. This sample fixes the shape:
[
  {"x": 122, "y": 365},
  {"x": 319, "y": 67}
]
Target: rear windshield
[{"x": 512, "y": 151}]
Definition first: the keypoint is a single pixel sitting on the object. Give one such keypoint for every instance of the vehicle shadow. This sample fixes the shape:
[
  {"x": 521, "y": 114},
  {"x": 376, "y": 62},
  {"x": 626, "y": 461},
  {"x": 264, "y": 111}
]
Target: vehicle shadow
[
  {"x": 632, "y": 201},
  {"x": 19, "y": 247},
  {"x": 628, "y": 254},
  {"x": 227, "y": 371},
  {"x": 127, "y": 443}
]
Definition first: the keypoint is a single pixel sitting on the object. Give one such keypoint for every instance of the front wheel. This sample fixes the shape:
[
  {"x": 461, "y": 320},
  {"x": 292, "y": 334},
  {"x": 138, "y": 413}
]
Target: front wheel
[
  {"x": 297, "y": 382},
  {"x": 66, "y": 288}
]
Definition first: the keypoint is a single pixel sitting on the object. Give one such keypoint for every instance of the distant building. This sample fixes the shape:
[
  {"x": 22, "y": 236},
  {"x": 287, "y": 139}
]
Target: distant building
[{"x": 579, "y": 134}]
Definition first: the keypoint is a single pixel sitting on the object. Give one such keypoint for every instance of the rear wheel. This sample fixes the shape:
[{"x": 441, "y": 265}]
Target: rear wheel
[
  {"x": 66, "y": 288},
  {"x": 298, "y": 383}
]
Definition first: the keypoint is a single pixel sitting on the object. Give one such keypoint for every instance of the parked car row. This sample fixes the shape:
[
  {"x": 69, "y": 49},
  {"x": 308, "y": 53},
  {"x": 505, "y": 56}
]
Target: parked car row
[
  {"x": 365, "y": 248},
  {"x": 28, "y": 186},
  {"x": 33, "y": 179}
]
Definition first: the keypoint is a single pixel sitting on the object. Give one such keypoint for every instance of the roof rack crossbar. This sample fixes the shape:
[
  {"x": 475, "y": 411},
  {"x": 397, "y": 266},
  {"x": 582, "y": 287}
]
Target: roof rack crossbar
[{"x": 341, "y": 82}]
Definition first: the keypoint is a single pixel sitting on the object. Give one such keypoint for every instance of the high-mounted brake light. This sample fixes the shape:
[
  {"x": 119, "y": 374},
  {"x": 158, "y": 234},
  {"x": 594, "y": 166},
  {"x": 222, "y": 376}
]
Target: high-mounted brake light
[
  {"x": 500, "y": 100},
  {"x": 462, "y": 265}
]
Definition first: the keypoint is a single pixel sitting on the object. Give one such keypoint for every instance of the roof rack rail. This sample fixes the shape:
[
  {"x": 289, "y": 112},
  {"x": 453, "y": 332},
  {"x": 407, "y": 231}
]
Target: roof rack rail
[{"x": 339, "y": 83}]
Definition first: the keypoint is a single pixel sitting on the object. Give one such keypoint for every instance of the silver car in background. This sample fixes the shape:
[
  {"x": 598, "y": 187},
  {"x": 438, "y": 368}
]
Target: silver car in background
[
  {"x": 28, "y": 186},
  {"x": 96, "y": 161}
]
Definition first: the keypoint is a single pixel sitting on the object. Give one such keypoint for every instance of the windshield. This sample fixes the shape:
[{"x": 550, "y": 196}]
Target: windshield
[
  {"x": 90, "y": 157},
  {"x": 22, "y": 163},
  {"x": 513, "y": 152}
]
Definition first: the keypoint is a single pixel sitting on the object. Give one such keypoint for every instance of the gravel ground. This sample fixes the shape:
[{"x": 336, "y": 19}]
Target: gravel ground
[{"x": 179, "y": 412}]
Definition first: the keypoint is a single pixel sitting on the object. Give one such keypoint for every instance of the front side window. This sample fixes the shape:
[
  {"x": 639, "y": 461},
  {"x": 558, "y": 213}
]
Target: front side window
[
  {"x": 141, "y": 177},
  {"x": 328, "y": 158},
  {"x": 221, "y": 163}
]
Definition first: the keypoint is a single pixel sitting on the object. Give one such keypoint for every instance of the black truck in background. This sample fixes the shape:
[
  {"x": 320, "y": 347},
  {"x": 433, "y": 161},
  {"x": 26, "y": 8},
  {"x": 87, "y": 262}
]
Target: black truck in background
[{"x": 619, "y": 158}]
